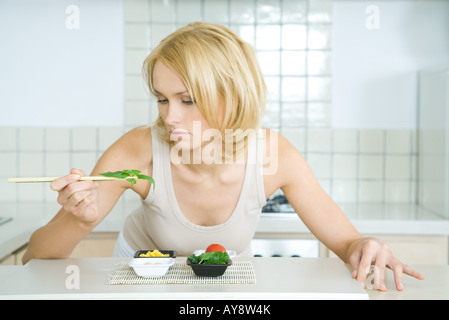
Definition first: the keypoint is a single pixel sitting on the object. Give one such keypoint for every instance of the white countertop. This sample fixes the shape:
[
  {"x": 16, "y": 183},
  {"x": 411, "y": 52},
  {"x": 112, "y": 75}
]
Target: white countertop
[
  {"x": 276, "y": 278},
  {"x": 368, "y": 219}
]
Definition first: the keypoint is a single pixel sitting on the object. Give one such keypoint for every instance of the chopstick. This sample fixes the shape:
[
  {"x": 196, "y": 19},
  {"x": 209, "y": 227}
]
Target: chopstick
[{"x": 50, "y": 179}]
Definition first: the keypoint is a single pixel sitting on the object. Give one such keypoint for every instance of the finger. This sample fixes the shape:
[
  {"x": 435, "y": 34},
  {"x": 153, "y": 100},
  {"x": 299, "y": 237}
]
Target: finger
[
  {"x": 354, "y": 261},
  {"x": 379, "y": 273},
  {"x": 75, "y": 200},
  {"x": 87, "y": 209},
  {"x": 411, "y": 272},
  {"x": 364, "y": 267},
  {"x": 78, "y": 171},
  {"x": 61, "y": 183},
  {"x": 397, "y": 272},
  {"x": 66, "y": 196}
]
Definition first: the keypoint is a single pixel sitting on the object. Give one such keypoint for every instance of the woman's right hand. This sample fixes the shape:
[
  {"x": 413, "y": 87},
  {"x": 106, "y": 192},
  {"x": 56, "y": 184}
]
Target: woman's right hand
[{"x": 77, "y": 197}]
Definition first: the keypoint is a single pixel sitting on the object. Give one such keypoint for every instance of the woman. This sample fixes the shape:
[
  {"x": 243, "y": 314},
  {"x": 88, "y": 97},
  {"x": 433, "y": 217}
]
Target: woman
[{"x": 213, "y": 166}]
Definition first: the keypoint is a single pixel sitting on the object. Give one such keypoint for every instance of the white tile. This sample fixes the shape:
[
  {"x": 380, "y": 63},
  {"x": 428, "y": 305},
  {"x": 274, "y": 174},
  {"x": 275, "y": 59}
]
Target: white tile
[
  {"x": 137, "y": 11},
  {"x": 344, "y": 191},
  {"x": 268, "y": 11},
  {"x": 319, "y": 140},
  {"x": 272, "y": 115},
  {"x": 319, "y": 114},
  {"x": 372, "y": 141},
  {"x": 398, "y": 141},
  {"x": 397, "y": 167},
  {"x": 293, "y": 114},
  {"x": 319, "y": 63},
  {"x": 246, "y": 32},
  {"x": 137, "y": 113},
  {"x": 31, "y": 192},
  {"x": 159, "y": 32},
  {"x": 294, "y": 37},
  {"x": 269, "y": 62},
  {"x": 344, "y": 166},
  {"x": 8, "y": 191},
  {"x": 31, "y": 139},
  {"x": 346, "y": 140},
  {"x": 31, "y": 164},
  {"x": 397, "y": 191},
  {"x": 242, "y": 11},
  {"x": 136, "y": 88},
  {"x": 57, "y": 164},
  {"x": 293, "y": 63},
  {"x": 50, "y": 195},
  {"x": 107, "y": 136},
  {"x": 371, "y": 191},
  {"x": 8, "y": 138},
  {"x": 320, "y": 37},
  {"x": 57, "y": 139},
  {"x": 371, "y": 167},
  {"x": 296, "y": 137},
  {"x": 216, "y": 11},
  {"x": 163, "y": 11},
  {"x": 320, "y": 164},
  {"x": 294, "y": 11},
  {"x": 267, "y": 37},
  {"x": 136, "y": 35},
  {"x": 272, "y": 84},
  {"x": 319, "y": 89},
  {"x": 8, "y": 164},
  {"x": 293, "y": 88},
  {"x": 84, "y": 160},
  {"x": 84, "y": 138},
  {"x": 134, "y": 60},
  {"x": 320, "y": 11},
  {"x": 189, "y": 11}
]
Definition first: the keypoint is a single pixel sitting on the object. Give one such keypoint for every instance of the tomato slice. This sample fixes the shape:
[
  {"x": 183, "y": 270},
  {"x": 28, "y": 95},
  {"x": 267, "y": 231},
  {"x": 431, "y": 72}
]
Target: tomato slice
[{"x": 215, "y": 247}]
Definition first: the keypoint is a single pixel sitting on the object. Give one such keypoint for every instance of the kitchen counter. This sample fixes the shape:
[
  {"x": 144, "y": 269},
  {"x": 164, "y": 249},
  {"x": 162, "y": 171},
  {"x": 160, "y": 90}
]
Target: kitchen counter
[
  {"x": 276, "y": 278},
  {"x": 394, "y": 219}
]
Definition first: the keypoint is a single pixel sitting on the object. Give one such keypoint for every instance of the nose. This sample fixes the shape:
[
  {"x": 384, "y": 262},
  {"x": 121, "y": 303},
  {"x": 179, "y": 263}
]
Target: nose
[{"x": 172, "y": 115}]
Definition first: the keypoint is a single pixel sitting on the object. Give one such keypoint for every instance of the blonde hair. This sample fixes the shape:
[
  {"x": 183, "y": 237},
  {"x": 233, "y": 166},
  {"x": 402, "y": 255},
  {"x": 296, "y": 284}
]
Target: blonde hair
[{"x": 214, "y": 65}]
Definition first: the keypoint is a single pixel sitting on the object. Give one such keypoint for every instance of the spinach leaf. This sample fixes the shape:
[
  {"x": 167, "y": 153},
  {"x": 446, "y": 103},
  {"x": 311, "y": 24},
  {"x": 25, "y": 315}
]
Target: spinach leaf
[
  {"x": 217, "y": 257},
  {"x": 129, "y": 175}
]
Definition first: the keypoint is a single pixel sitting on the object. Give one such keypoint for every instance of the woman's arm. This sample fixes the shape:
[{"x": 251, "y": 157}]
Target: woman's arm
[
  {"x": 86, "y": 203},
  {"x": 328, "y": 222}
]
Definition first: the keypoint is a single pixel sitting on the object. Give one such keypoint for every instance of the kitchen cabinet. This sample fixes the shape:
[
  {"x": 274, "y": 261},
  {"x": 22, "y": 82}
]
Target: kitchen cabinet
[
  {"x": 411, "y": 249},
  {"x": 96, "y": 244},
  {"x": 415, "y": 249}
]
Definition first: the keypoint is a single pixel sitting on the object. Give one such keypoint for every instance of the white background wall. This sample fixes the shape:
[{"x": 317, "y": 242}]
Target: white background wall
[
  {"x": 52, "y": 75},
  {"x": 375, "y": 71}
]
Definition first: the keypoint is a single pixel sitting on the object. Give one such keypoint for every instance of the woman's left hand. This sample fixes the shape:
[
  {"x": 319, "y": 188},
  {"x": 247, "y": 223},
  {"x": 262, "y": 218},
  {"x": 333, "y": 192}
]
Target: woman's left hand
[{"x": 364, "y": 252}]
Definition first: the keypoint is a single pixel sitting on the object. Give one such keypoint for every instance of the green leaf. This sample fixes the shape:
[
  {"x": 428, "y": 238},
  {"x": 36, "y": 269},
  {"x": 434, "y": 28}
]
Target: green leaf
[
  {"x": 217, "y": 257},
  {"x": 117, "y": 174},
  {"x": 129, "y": 175}
]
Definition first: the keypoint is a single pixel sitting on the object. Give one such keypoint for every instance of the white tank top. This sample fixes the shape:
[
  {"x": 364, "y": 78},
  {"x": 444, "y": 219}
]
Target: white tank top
[{"x": 160, "y": 224}]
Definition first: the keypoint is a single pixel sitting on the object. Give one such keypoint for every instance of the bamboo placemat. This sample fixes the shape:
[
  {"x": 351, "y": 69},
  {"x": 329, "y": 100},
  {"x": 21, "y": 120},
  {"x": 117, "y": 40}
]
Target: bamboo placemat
[{"x": 240, "y": 272}]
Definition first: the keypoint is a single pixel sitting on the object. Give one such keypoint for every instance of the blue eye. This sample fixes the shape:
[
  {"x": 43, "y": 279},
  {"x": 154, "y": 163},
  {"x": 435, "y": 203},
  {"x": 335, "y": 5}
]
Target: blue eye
[
  {"x": 162, "y": 101},
  {"x": 187, "y": 102}
]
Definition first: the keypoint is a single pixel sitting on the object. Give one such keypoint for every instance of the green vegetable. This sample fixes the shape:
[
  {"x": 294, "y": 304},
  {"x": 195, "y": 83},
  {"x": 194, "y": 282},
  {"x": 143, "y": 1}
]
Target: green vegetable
[
  {"x": 217, "y": 257},
  {"x": 129, "y": 175}
]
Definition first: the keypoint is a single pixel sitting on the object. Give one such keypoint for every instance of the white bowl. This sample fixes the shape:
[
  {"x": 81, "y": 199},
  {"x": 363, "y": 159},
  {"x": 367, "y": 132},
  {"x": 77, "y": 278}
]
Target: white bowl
[{"x": 151, "y": 267}]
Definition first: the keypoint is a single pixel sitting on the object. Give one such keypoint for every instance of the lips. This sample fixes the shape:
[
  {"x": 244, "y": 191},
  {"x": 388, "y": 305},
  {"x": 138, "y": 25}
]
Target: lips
[{"x": 178, "y": 134}]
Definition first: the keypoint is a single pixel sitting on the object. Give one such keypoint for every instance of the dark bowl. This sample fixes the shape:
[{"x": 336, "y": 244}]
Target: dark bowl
[
  {"x": 172, "y": 253},
  {"x": 209, "y": 270}
]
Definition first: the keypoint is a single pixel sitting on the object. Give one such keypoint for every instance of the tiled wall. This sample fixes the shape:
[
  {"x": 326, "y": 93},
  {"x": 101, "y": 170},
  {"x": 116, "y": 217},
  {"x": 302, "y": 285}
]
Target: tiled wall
[{"x": 293, "y": 42}]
